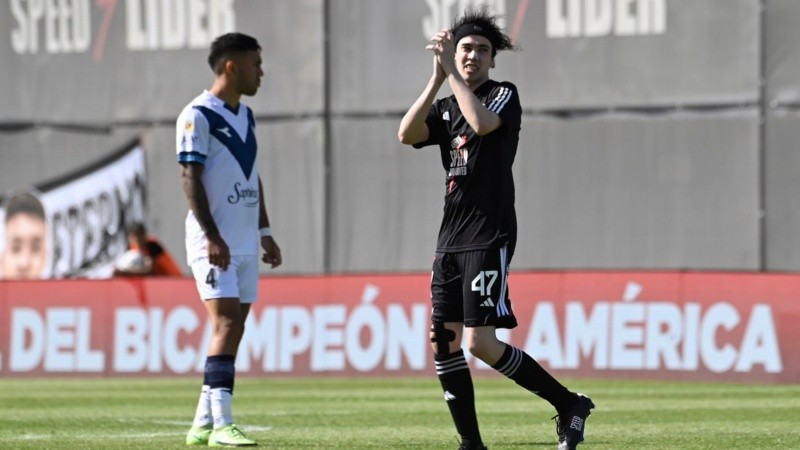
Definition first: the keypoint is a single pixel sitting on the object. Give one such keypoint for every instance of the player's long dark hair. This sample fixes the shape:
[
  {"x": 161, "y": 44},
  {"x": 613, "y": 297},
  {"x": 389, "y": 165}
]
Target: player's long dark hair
[{"x": 488, "y": 22}]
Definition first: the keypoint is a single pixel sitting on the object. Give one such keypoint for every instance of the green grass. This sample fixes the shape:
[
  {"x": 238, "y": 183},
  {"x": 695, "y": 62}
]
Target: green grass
[{"x": 370, "y": 413}]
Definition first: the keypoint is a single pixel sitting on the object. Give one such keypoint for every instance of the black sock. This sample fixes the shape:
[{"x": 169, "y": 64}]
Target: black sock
[
  {"x": 220, "y": 372},
  {"x": 526, "y": 372},
  {"x": 456, "y": 381}
]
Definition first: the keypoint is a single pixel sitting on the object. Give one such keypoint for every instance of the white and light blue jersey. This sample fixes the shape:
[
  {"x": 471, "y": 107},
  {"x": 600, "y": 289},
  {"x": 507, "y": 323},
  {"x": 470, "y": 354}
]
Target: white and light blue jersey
[{"x": 224, "y": 142}]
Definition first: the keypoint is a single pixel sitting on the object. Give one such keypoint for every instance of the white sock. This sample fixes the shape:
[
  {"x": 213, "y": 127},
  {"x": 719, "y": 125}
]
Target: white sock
[
  {"x": 221, "y": 399},
  {"x": 202, "y": 417}
]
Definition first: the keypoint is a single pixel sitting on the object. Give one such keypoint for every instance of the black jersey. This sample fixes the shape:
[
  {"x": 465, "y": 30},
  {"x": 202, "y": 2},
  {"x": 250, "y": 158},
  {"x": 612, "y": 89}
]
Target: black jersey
[{"x": 479, "y": 188}]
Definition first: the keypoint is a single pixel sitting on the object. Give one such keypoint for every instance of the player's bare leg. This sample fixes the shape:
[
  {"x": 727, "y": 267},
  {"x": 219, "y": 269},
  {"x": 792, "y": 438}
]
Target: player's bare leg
[{"x": 214, "y": 409}]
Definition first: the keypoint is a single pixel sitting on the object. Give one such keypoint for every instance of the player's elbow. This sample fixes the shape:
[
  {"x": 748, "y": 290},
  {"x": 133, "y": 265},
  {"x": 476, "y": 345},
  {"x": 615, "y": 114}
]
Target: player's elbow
[
  {"x": 406, "y": 138},
  {"x": 484, "y": 129},
  {"x": 484, "y": 126}
]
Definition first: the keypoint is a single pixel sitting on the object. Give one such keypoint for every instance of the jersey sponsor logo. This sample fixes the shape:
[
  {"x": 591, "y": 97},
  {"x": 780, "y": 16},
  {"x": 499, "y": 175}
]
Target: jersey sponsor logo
[
  {"x": 458, "y": 156},
  {"x": 248, "y": 196}
]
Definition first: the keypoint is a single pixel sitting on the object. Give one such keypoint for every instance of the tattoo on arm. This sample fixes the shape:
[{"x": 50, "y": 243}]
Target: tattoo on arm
[{"x": 197, "y": 198}]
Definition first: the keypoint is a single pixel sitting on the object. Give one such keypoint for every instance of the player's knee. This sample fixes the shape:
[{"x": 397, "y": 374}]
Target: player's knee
[
  {"x": 477, "y": 349},
  {"x": 441, "y": 338},
  {"x": 228, "y": 326},
  {"x": 481, "y": 346}
]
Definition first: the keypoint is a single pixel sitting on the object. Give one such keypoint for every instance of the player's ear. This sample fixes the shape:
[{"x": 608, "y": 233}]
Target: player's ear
[
  {"x": 491, "y": 64},
  {"x": 230, "y": 66}
]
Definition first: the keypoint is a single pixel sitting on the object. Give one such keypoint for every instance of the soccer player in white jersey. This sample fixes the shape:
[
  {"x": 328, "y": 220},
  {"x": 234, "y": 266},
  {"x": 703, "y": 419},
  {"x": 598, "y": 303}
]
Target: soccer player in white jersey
[{"x": 227, "y": 220}]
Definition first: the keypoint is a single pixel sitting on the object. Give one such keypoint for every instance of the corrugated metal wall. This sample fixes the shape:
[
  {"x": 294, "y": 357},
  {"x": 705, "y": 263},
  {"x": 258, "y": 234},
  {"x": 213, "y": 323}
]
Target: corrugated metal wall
[{"x": 656, "y": 133}]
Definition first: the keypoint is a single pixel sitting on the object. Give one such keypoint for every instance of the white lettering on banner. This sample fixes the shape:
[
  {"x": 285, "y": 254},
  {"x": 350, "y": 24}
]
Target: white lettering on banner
[
  {"x": 326, "y": 351},
  {"x": 27, "y": 340},
  {"x": 442, "y": 13},
  {"x": 60, "y": 341},
  {"x": 406, "y": 337},
  {"x": 146, "y": 340},
  {"x": 259, "y": 342},
  {"x": 294, "y": 335},
  {"x": 611, "y": 335},
  {"x": 593, "y": 18},
  {"x": 67, "y": 25},
  {"x": 332, "y": 339},
  {"x": 130, "y": 339},
  {"x": 181, "y": 319},
  {"x": 760, "y": 343},
  {"x": 365, "y": 317},
  {"x": 654, "y": 336},
  {"x": 176, "y": 24},
  {"x": 88, "y": 216},
  {"x": 719, "y": 316}
]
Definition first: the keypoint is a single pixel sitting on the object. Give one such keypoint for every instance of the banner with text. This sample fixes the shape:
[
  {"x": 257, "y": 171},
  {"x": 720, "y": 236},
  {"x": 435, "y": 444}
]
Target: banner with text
[
  {"x": 74, "y": 226},
  {"x": 665, "y": 325}
]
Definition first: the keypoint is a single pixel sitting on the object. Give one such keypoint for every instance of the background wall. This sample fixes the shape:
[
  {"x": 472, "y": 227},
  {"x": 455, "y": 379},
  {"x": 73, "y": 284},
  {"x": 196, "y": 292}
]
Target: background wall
[{"x": 657, "y": 134}]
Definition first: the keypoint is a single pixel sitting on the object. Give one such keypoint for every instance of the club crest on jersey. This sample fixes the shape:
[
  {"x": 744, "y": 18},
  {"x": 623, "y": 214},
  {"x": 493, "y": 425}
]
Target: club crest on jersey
[
  {"x": 247, "y": 196},
  {"x": 446, "y": 116},
  {"x": 188, "y": 126}
]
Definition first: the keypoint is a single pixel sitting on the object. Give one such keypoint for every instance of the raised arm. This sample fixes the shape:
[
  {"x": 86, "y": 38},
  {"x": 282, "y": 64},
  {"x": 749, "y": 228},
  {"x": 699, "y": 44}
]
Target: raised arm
[
  {"x": 480, "y": 119},
  {"x": 413, "y": 128}
]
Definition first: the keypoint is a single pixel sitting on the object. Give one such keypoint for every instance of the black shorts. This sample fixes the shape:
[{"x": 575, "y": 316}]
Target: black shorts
[{"x": 472, "y": 287}]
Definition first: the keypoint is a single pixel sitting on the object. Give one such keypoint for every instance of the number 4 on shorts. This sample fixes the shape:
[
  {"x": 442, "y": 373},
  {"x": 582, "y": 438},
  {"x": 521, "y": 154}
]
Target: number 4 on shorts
[{"x": 211, "y": 279}]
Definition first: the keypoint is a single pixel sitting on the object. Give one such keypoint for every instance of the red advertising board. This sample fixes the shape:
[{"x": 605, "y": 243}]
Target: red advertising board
[{"x": 656, "y": 325}]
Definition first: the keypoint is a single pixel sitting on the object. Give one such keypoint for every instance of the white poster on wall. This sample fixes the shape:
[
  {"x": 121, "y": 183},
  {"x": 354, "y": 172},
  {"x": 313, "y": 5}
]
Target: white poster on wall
[{"x": 74, "y": 226}]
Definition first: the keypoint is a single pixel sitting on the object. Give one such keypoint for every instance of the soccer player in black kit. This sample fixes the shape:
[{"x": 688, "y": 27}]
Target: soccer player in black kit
[{"x": 477, "y": 131}]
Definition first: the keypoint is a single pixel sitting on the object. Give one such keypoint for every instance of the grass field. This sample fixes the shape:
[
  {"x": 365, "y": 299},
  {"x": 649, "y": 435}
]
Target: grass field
[{"x": 367, "y": 413}]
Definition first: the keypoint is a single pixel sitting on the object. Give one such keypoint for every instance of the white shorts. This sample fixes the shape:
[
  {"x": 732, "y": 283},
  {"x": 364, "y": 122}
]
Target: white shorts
[{"x": 239, "y": 281}]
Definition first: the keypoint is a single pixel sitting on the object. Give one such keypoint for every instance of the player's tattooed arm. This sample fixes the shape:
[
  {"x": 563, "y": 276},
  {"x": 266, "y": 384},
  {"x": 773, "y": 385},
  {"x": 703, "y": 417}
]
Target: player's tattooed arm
[{"x": 191, "y": 178}]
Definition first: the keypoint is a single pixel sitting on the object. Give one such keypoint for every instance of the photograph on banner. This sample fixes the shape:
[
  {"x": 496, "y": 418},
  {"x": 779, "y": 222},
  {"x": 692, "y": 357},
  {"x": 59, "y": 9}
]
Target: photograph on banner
[
  {"x": 24, "y": 244},
  {"x": 74, "y": 226}
]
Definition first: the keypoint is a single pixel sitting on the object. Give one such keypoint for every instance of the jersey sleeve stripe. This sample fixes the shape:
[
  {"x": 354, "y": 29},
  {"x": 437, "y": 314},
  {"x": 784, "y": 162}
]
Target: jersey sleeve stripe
[
  {"x": 191, "y": 157},
  {"x": 500, "y": 100}
]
